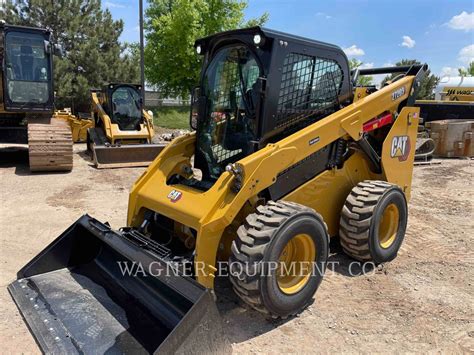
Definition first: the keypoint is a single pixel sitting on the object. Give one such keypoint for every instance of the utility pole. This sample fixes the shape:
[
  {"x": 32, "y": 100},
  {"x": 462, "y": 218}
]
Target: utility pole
[{"x": 142, "y": 52}]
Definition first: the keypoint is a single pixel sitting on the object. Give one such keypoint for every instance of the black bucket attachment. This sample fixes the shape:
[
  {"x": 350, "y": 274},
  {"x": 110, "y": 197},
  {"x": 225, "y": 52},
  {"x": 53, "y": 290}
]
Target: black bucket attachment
[
  {"x": 78, "y": 296},
  {"x": 123, "y": 156},
  {"x": 106, "y": 155}
]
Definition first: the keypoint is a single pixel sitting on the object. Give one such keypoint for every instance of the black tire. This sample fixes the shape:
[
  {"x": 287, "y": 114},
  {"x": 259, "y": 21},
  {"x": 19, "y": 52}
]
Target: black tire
[
  {"x": 361, "y": 217},
  {"x": 261, "y": 239}
]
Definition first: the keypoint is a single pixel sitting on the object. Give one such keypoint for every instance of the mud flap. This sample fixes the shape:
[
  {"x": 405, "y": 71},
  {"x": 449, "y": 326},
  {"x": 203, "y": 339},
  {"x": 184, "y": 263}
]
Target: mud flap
[
  {"x": 106, "y": 155},
  {"x": 77, "y": 296}
]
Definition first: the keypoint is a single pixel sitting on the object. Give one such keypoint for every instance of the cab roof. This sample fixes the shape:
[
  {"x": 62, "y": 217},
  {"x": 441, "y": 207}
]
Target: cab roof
[
  {"x": 267, "y": 33},
  {"x": 7, "y": 26}
]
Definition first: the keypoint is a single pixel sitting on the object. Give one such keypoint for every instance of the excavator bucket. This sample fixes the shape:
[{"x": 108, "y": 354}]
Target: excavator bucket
[{"x": 96, "y": 290}]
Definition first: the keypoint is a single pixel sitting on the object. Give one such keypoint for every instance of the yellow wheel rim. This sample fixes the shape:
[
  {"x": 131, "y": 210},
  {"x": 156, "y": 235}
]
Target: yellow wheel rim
[
  {"x": 388, "y": 226},
  {"x": 296, "y": 264}
]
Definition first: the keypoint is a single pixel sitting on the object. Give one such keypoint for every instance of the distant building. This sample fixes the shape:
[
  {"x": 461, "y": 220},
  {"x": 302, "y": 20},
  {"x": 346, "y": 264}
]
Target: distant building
[{"x": 153, "y": 98}]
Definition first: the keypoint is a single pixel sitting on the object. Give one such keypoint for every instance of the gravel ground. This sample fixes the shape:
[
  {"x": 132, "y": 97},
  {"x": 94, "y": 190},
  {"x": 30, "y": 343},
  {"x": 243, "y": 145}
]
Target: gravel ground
[{"x": 420, "y": 302}]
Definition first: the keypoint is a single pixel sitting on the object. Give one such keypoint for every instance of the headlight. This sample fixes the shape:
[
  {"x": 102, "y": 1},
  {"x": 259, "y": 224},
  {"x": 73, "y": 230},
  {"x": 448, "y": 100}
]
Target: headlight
[
  {"x": 257, "y": 39},
  {"x": 198, "y": 49}
]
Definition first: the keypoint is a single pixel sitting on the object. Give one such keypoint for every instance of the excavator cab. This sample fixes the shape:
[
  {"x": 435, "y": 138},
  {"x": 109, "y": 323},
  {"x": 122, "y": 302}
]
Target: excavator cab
[
  {"x": 28, "y": 70},
  {"x": 27, "y": 98}
]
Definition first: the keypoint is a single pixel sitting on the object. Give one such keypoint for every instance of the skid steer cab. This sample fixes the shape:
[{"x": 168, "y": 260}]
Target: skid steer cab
[
  {"x": 123, "y": 132},
  {"x": 287, "y": 152}
]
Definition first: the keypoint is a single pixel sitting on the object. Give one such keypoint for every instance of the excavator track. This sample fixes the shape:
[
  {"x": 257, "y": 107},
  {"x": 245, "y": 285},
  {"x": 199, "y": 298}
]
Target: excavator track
[{"x": 50, "y": 146}]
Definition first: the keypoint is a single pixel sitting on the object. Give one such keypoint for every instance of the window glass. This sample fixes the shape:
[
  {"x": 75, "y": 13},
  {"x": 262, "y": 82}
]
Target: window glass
[
  {"x": 229, "y": 86},
  {"x": 126, "y": 108},
  {"x": 28, "y": 69}
]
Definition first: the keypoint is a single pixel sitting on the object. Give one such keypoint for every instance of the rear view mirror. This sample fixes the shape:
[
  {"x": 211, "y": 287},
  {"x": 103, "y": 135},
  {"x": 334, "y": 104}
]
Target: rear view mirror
[
  {"x": 58, "y": 50},
  {"x": 253, "y": 96},
  {"x": 195, "y": 94},
  {"x": 193, "y": 115},
  {"x": 47, "y": 47}
]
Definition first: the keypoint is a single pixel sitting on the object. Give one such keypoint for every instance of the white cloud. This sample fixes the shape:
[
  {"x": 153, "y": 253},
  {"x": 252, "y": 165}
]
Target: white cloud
[
  {"x": 323, "y": 14},
  {"x": 430, "y": 27},
  {"x": 463, "y": 21},
  {"x": 408, "y": 42},
  {"x": 466, "y": 54},
  {"x": 449, "y": 71},
  {"x": 111, "y": 4},
  {"x": 388, "y": 64},
  {"x": 354, "y": 51}
]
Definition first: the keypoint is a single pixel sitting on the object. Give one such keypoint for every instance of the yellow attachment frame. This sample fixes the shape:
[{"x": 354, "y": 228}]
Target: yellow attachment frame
[
  {"x": 210, "y": 212},
  {"x": 79, "y": 126}
]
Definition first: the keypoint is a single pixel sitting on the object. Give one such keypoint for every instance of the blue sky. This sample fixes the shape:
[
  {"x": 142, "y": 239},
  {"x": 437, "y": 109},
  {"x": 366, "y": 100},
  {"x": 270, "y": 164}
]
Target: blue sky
[{"x": 376, "y": 32}]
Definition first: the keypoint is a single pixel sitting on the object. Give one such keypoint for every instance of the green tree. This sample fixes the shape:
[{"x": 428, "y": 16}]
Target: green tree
[
  {"x": 172, "y": 26},
  {"x": 93, "y": 54},
  {"x": 428, "y": 83},
  {"x": 467, "y": 72},
  {"x": 362, "y": 80}
]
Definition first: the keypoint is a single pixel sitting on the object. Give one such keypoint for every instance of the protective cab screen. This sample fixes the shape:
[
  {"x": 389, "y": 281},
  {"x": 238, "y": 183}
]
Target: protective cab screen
[{"x": 28, "y": 69}]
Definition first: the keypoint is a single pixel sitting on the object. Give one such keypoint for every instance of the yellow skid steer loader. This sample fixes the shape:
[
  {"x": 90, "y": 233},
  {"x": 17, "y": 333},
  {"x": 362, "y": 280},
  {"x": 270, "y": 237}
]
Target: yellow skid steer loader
[
  {"x": 289, "y": 153},
  {"x": 123, "y": 132}
]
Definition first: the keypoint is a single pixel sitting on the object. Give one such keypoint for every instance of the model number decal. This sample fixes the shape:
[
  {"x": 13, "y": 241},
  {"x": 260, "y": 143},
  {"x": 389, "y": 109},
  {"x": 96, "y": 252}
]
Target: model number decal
[
  {"x": 400, "y": 147},
  {"x": 398, "y": 93},
  {"x": 175, "y": 195},
  {"x": 314, "y": 140}
]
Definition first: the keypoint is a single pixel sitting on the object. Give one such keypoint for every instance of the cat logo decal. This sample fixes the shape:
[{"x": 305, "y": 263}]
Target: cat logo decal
[
  {"x": 175, "y": 196},
  {"x": 400, "y": 147}
]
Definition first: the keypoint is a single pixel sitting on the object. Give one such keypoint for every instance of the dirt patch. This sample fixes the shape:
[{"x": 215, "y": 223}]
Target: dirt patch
[
  {"x": 420, "y": 302},
  {"x": 71, "y": 197}
]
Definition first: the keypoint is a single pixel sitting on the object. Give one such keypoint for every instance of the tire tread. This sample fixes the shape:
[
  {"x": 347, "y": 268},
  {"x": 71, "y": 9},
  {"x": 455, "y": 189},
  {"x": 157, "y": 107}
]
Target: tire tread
[
  {"x": 356, "y": 217},
  {"x": 253, "y": 237}
]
